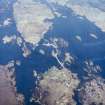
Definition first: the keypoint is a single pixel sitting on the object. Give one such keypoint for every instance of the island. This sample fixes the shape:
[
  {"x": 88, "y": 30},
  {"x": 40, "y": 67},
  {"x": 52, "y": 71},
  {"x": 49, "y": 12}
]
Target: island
[{"x": 56, "y": 87}]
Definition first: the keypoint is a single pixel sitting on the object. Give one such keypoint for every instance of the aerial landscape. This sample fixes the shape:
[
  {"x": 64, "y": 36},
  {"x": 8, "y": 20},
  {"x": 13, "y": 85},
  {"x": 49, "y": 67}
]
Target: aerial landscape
[{"x": 52, "y": 52}]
